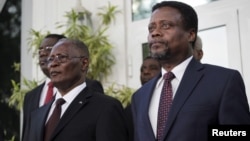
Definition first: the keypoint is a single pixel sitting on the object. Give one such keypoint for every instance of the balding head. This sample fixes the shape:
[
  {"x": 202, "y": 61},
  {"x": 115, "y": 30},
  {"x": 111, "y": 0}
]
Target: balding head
[{"x": 198, "y": 52}]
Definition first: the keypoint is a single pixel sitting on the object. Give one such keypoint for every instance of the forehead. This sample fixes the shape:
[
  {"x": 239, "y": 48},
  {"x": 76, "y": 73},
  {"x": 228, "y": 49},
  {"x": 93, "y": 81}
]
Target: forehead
[
  {"x": 165, "y": 13},
  {"x": 63, "y": 47},
  {"x": 150, "y": 62},
  {"x": 48, "y": 42}
]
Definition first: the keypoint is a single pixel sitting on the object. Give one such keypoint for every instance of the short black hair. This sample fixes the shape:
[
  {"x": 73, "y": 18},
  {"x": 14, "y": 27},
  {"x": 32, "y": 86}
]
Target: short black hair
[
  {"x": 56, "y": 36},
  {"x": 148, "y": 57},
  {"x": 189, "y": 16}
]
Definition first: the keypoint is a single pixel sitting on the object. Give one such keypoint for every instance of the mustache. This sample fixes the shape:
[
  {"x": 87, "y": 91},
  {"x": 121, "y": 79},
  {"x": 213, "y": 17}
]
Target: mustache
[{"x": 150, "y": 43}]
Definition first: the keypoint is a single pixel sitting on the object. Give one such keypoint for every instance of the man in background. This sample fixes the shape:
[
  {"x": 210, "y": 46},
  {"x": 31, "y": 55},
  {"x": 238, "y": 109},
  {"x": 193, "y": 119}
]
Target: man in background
[
  {"x": 149, "y": 69},
  {"x": 37, "y": 96},
  {"x": 198, "y": 52}
]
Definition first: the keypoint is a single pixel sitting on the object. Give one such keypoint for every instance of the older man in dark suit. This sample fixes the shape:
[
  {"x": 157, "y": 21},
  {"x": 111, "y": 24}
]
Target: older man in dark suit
[
  {"x": 36, "y": 97},
  {"x": 84, "y": 114}
]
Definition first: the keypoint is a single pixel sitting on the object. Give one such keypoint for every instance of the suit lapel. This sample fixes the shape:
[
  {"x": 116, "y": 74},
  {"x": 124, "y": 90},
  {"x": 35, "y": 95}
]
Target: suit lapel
[
  {"x": 38, "y": 119},
  {"x": 80, "y": 101},
  {"x": 189, "y": 80}
]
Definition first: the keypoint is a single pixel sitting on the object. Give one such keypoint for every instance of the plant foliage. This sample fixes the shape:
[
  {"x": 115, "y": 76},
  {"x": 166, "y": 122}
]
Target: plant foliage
[{"x": 120, "y": 92}]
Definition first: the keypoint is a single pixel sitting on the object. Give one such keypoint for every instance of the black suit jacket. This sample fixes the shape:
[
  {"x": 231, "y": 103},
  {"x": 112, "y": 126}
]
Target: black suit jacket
[
  {"x": 91, "y": 117},
  {"x": 31, "y": 102},
  {"x": 95, "y": 85},
  {"x": 207, "y": 95},
  {"x": 128, "y": 113},
  {"x": 32, "y": 99}
]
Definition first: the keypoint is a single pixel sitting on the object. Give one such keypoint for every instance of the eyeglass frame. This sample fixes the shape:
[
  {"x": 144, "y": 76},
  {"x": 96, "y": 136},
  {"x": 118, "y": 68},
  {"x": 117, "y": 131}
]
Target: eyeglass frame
[
  {"x": 47, "y": 48},
  {"x": 59, "y": 58}
]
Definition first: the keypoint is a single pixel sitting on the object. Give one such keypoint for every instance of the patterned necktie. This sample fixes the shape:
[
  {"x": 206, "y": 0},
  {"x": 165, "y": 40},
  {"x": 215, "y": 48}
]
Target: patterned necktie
[
  {"x": 54, "y": 119},
  {"x": 164, "y": 105},
  {"x": 49, "y": 94}
]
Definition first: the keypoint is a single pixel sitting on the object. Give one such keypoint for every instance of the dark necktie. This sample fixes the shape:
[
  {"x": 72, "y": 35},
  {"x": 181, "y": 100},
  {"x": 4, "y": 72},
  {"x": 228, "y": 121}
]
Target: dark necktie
[
  {"x": 49, "y": 94},
  {"x": 164, "y": 105},
  {"x": 54, "y": 119}
]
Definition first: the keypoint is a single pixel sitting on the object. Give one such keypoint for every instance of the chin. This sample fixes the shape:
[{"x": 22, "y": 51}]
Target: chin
[
  {"x": 157, "y": 56},
  {"x": 161, "y": 55}
]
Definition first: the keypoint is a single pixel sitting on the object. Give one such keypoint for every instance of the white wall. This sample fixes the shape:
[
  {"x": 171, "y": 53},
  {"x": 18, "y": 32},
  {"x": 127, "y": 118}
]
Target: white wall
[
  {"x": 244, "y": 27},
  {"x": 233, "y": 15}
]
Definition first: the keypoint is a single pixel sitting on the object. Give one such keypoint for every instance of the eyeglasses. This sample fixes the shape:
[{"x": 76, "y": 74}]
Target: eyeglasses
[
  {"x": 62, "y": 58},
  {"x": 47, "y": 48}
]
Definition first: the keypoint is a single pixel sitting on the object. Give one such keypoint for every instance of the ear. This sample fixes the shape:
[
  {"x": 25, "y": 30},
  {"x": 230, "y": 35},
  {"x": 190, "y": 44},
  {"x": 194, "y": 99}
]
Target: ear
[
  {"x": 85, "y": 64},
  {"x": 200, "y": 53},
  {"x": 192, "y": 35}
]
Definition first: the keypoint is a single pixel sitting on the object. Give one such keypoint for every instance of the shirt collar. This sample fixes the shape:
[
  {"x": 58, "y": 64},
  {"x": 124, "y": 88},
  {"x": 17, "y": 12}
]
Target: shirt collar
[
  {"x": 70, "y": 96},
  {"x": 47, "y": 81},
  {"x": 178, "y": 71}
]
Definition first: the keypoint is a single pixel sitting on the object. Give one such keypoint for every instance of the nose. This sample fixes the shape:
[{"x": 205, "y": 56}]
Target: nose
[
  {"x": 53, "y": 63},
  {"x": 146, "y": 71},
  {"x": 156, "y": 32}
]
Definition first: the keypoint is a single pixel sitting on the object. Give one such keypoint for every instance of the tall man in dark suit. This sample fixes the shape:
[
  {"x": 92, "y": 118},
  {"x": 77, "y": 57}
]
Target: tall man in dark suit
[
  {"x": 202, "y": 94},
  {"x": 36, "y": 97},
  {"x": 86, "y": 114}
]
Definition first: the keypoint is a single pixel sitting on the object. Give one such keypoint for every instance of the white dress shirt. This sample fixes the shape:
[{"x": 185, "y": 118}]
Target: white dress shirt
[
  {"x": 178, "y": 71},
  {"x": 69, "y": 97}
]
